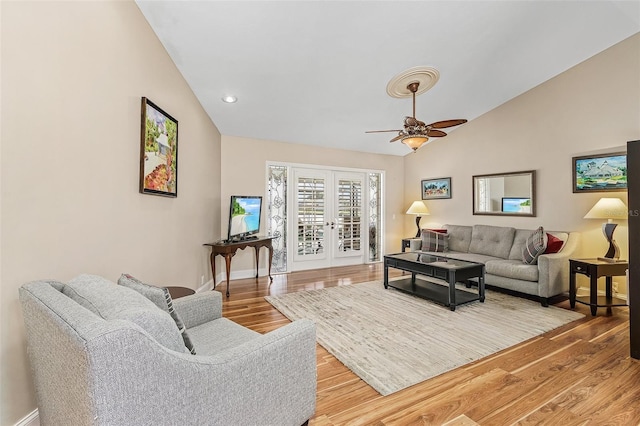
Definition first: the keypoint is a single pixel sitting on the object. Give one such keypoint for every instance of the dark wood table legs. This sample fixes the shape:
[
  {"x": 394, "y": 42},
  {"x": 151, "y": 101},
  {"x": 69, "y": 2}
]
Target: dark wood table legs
[{"x": 229, "y": 249}]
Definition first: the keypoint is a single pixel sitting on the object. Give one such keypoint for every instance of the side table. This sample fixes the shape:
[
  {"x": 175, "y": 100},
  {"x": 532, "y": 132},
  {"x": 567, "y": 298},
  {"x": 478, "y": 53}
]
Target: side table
[
  {"x": 228, "y": 249},
  {"x": 406, "y": 243},
  {"x": 177, "y": 292},
  {"x": 594, "y": 269}
]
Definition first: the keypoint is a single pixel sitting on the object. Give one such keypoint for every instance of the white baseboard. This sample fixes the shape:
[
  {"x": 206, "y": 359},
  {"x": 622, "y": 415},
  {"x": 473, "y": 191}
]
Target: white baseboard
[
  {"x": 31, "y": 419},
  {"x": 205, "y": 287},
  {"x": 240, "y": 275},
  {"x": 235, "y": 275}
]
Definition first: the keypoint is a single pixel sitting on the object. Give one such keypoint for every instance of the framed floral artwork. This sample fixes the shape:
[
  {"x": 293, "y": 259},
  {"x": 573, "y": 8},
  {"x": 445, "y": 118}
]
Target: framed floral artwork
[
  {"x": 436, "y": 188},
  {"x": 158, "y": 151}
]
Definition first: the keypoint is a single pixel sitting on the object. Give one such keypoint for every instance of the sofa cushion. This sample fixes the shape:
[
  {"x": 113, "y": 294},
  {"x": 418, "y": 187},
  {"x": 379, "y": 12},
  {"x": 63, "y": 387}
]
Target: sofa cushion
[
  {"x": 535, "y": 245},
  {"x": 459, "y": 237},
  {"x": 492, "y": 240},
  {"x": 512, "y": 269},
  {"x": 110, "y": 302},
  {"x": 162, "y": 299},
  {"x": 434, "y": 241},
  {"x": 469, "y": 257}
]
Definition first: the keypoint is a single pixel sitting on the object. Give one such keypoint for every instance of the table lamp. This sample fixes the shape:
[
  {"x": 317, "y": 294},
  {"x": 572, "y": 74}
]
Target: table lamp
[
  {"x": 609, "y": 208},
  {"x": 419, "y": 209}
]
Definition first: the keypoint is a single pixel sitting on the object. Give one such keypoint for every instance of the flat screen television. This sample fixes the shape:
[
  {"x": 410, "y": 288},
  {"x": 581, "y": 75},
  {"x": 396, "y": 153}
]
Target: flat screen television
[
  {"x": 516, "y": 205},
  {"x": 244, "y": 217}
]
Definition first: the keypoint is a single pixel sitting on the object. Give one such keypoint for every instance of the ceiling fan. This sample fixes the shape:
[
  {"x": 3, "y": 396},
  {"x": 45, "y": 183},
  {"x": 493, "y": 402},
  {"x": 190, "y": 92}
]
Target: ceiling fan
[{"x": 415, "y": 132}]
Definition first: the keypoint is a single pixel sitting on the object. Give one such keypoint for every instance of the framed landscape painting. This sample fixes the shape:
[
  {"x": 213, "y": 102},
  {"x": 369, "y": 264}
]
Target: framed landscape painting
[
  {"x": 596, "y": 173},
  {"x": 158, "y": 151},
  {"x": 436, "y": 188}
]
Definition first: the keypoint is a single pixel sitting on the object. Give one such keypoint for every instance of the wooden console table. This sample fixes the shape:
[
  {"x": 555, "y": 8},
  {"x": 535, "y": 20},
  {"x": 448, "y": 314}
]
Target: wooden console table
[{"x": 229, "y": 249}]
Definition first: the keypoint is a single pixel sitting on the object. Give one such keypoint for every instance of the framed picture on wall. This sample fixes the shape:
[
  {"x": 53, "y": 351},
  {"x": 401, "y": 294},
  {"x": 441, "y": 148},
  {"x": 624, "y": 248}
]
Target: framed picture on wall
[
  {"x": 158, "y": 151},
  {"x": 432, "y": 189},
  {"x": 597, "y": 173}
]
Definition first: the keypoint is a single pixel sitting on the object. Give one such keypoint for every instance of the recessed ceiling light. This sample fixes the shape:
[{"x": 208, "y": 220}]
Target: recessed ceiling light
[{"x": 229, "y": 99}]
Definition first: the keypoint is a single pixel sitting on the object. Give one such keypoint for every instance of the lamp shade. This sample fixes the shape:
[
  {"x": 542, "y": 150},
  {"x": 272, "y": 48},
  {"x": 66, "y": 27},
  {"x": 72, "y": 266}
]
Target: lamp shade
[
  {"x": 608, "y": 208},
  {"x": 418, "y": 208}
]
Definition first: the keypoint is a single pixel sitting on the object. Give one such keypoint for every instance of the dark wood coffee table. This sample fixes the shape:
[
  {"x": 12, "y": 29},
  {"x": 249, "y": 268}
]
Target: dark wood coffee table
[{"x": 443, "y": 268}]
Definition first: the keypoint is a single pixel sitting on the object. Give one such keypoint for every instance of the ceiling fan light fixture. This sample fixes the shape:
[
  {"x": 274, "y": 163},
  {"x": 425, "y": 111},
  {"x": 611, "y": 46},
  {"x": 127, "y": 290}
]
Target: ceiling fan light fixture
[{"x": 414, "y": 141}]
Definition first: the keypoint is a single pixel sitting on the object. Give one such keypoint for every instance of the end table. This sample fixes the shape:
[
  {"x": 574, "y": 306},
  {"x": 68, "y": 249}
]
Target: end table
[
  {"x": 594, "y": 269},
  {"x": 406, "y": 243}
]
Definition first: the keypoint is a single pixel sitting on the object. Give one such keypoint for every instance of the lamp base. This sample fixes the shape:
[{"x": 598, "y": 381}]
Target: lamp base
[{"x": 613, "y": 254}]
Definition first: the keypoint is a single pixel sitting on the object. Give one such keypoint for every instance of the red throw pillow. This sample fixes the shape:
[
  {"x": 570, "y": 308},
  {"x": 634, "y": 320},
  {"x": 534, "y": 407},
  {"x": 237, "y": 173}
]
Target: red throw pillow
[
  {"x": 442, "y": 231},
  {"x": 554, "y": 244}
]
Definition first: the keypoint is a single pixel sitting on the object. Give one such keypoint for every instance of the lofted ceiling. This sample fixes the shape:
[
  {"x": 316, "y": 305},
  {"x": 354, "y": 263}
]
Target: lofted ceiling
[{"x": 316, "y": 72}]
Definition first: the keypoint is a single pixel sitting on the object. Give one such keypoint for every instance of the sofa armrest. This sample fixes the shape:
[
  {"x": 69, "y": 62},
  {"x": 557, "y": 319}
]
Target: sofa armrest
[
  {"x": 268, "y": 380},
  {"x": 199, "y": 308},
  {"x": 553, "y": 268},
  {"x": 415, "y": 244}
]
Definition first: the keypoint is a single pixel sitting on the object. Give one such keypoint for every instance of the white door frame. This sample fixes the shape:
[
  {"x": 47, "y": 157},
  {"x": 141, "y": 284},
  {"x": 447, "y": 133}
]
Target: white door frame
[{"x": 291, "y": 243}]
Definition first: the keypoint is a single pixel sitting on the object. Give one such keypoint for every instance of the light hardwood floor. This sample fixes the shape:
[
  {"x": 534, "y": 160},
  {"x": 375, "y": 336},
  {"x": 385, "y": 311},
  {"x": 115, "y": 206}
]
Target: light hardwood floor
[{"x": 579, "y": 374}]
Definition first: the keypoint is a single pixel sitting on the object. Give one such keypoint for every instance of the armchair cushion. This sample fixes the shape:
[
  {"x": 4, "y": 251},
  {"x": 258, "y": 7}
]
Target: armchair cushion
[
  {"x": 113, "y": 302},
  {"x": 219, "y": 335}
]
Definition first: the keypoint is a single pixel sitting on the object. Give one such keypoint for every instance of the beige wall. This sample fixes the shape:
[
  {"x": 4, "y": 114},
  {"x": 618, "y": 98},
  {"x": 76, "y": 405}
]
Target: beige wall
[
  {"x": 591, "y": 108},
  {"x": 244, "y": 173},
  {"x": 72, "y": 77},
  {"x": 73, "y": 74}
]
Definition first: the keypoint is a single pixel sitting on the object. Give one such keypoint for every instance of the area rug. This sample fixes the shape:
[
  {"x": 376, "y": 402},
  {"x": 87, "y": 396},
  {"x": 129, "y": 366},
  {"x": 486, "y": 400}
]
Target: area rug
[{"x": 393, "y": 340}]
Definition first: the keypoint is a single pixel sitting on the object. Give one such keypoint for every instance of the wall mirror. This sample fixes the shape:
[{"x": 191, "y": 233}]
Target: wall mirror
[{"x": 505, "y": 194}]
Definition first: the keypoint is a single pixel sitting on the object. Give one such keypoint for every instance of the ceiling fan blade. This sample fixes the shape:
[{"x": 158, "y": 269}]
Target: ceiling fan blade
[
  {"x": 433, "y": 133},
  {"x": 447, "y": 123},
  {"x": 382, "y": 131},
  {"x": 397, "y": 138}
]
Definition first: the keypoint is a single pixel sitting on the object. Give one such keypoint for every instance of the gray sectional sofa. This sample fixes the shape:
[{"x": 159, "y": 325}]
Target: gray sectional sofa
[
  {"x": 105, "y": 354},
  {"x": 500, "y": 250}
]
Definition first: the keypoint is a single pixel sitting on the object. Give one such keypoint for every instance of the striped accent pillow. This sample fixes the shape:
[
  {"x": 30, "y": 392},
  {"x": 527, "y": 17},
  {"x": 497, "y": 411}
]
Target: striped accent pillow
[
  {"x": 534, "y": 246},
  {"x": 161, "y": 298},
  {"x": 183, "y": 330},
  {"x": 434, "y": 241}
]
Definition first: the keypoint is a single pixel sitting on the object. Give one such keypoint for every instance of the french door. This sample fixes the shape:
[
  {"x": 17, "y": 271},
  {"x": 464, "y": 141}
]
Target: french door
[{"x": 328, "y": 218}]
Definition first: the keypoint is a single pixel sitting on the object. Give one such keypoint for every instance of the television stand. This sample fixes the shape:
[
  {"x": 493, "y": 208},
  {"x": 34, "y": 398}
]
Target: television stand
[{"x": 228, "y": 249}]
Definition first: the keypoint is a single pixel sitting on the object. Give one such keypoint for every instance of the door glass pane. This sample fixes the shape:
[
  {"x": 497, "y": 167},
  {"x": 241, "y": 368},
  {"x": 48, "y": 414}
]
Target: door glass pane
[
  {"x": 311, "y": 206},
  {"x": 375, "y": 191},
  {"x": 349, "y": 211},
  {"x": 278, "y": 216}
]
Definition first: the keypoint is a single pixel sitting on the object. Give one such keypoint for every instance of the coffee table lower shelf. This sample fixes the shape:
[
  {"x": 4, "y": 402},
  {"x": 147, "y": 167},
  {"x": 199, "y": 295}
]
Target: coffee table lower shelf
[{"x": 435, "y": 292}]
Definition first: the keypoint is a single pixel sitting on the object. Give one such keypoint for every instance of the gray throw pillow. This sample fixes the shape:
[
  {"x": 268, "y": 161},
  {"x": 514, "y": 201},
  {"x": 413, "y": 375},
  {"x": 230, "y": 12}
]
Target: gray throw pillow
[
  {"x": 535, "y": 245},
  {"x": 161, "y": 298},
  {"x": 113, "y": 302}
]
